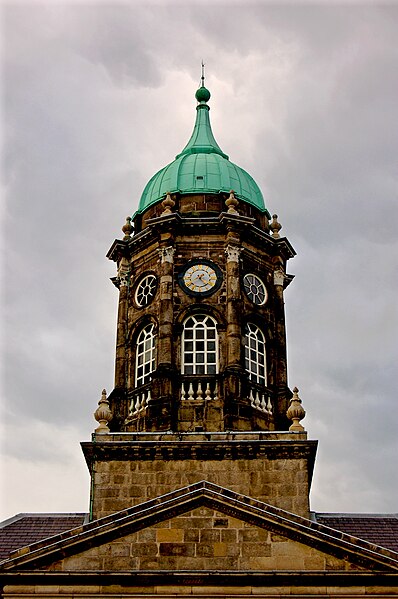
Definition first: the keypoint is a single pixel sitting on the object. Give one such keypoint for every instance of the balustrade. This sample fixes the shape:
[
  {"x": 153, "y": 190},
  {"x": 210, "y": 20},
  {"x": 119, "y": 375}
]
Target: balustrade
[
  {"x": 260, "y": 400},
  {"x": 139, "y": 400},
  {"x": 198, "y": 389}
]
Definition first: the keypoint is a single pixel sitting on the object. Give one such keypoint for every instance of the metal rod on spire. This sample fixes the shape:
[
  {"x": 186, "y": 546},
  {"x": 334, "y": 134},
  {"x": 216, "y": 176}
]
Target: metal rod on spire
[{"x": 203, "y": 74}]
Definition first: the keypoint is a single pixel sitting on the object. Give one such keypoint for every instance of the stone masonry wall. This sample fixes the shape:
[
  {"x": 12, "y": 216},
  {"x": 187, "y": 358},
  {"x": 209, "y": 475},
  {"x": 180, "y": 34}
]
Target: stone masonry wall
[
  {"x": 203, "y": 539},
  {"x": 282, "y": 483}
]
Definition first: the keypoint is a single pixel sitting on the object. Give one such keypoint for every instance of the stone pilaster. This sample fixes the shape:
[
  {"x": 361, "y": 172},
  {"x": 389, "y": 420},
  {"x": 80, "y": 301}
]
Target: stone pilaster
[
  {"x": 122, "y": 321},
  {"x": 162, "y": 409}
]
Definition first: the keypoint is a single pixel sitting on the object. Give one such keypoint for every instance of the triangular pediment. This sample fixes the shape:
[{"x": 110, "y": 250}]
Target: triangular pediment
[{"x": 203, "y": 527}]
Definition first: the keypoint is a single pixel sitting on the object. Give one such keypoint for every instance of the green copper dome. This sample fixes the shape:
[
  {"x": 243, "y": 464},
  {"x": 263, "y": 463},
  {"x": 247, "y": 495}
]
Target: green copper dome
[{"x": 202, "y": 167}]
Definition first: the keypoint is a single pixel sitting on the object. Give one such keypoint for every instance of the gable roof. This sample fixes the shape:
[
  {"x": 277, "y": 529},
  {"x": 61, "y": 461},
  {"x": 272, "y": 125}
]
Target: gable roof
[
  {"x": 26, "y": 529},
  {"x": 207, "y": 494},
  {"x": 380, "y": 529}
]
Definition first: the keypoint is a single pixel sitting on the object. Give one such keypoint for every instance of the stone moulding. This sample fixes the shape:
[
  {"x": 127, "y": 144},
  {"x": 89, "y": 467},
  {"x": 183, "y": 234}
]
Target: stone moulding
[
  {"x": 197, "y": 450},
  {"x": 170, "y": 505}
]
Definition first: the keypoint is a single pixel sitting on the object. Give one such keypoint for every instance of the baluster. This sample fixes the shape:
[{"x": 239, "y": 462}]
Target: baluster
[
  {"x": 215, "y": 391},
  {"x": 199, "y": 394},
  {"x": 137, "y": 404},
  {"x": 257, "y": 400},
  {"x": 269, "y": 406},
  {"x": 143, "y": 402},
  {"x": 148, "y": 397},
  {"x": 251, "y": 397},
  {"x": 131, "y": 406},
  {"x": 263, "y": 403},
  {"x": 208, "y": 392},
  {"x": 182, "y": 392},
  {"x": 190, "y": 391}
]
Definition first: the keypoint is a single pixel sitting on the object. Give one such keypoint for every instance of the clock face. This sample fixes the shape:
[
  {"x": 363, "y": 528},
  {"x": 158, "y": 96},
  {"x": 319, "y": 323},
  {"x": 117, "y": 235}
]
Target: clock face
[
  {"x": 200, "y": 277},
  {"x": 255, "y": 289},
  {"x": 145, "y": 291}
]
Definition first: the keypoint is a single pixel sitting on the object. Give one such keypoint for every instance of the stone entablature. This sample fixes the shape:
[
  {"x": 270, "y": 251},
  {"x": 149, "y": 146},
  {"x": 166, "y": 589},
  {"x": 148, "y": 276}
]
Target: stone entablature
[{"x": 128, "y": 469}]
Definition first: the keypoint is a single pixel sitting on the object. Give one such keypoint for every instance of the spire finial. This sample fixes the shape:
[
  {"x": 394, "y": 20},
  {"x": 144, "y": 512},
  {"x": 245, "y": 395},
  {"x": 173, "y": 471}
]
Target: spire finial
[
  {"x": 202, "y": 95},
  {"x": 203, "y": 74}
]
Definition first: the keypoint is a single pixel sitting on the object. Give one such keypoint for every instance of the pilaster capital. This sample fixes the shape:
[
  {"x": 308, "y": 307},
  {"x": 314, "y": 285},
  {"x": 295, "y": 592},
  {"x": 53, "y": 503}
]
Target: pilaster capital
[
  {"x": 123, "y": 272},
  {"x": 279, "y": 277},
  {"x": 167, "y": 254},
  {"x": 232, "y": 252}
]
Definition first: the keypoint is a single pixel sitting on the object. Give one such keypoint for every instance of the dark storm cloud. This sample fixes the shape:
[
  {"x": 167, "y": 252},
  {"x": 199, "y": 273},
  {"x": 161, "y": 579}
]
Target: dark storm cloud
[{"x": 96, "y": 98}]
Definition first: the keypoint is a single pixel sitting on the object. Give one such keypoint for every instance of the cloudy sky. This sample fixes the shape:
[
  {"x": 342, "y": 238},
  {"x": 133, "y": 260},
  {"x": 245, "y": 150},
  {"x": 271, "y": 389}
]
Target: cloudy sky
[{"x": 98, "y": 96}]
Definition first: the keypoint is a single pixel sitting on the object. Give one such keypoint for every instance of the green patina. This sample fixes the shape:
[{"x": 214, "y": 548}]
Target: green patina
[{"x": 202, "y": 167}]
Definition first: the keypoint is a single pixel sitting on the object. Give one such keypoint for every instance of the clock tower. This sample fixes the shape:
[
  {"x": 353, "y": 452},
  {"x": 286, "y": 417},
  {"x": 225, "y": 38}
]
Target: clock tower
[{"x": 201, "y": 387}]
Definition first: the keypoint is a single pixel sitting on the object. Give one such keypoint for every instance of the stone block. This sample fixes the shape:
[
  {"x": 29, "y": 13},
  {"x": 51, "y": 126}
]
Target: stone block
[
  {"x": 119, "y": 479},
  {"x": 233, "y": 549},
  {"x": 220, "y": 549},
  {"x": 143, "y": 549},
  {"x": 256, "y": 549},
  {"x": 119, "y": 549},
  {"x": 147, "y": 535},
  {"x": 229, "y": 536},
  {"x": 210, "y": 536},
  {"x": 205, "y": 550},
  {"x": 235, "y": 523},
  {"x": 177, "y": 549},
  {"x": 253, "y": 534},
  {"x": 169, "y": 535},
  {"x": 191, "y": 536}
]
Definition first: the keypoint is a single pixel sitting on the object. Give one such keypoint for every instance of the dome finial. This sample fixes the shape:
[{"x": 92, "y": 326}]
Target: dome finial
[{"x": 202, "y": 95}]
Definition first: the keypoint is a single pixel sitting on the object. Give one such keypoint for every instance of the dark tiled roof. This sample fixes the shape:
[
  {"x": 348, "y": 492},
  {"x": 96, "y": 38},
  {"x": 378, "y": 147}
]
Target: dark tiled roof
[
  {"x": 25, "y": 529},
  {"x": 380, "y": 529}
]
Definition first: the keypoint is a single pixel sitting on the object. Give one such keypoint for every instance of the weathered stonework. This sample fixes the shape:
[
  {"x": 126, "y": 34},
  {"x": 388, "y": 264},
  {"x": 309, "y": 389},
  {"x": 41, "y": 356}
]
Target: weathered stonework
[
  {"x": 274, "y": 468},
  {"x": 236, "y": 244},
  {"x": 203, "y": 539}
]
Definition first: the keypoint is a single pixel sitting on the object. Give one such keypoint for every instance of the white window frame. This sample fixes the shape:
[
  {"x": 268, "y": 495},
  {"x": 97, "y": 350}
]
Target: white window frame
[
  {"x": 202, "y": 359},
  {"x": 145, "y": 359},
  {"x": 255, "y": 354}
]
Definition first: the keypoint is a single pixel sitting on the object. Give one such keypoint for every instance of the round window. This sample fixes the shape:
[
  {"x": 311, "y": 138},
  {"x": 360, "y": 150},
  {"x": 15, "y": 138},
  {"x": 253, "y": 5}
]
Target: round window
[
  {"x": 145, "y": 291},
  {"x": 255, "y": 289}
]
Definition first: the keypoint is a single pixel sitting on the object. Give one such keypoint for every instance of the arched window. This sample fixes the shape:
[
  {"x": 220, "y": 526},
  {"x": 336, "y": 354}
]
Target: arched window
[
  {"x": 145, "y": 355},
  {"x": 200, "y": 345},
  {"x": 255, "y": 362}
]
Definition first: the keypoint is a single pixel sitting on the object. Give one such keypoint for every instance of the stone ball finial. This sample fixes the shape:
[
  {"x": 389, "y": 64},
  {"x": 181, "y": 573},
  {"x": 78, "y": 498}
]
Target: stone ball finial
[
  {"x": 231, "y": 203},
  {"x": 168, "y": 203},
  {"x": 127, "y": 229},
  {"x": 295, "y": 412},
  {"x": 103, "y": 415},
  {"x": 275, "y": 226}
]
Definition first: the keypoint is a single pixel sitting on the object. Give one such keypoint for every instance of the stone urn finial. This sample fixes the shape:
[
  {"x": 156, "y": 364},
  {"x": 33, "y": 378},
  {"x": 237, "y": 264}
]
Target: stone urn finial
[
  {"x": 103, "y": 415},
  {"x": 275, "y": 226},
  {"x": 295, "y": 412},
  {"x": 168, "y": 203},
  {"x": 127, "y": 229},
  {"x": 231, "y": 203}
]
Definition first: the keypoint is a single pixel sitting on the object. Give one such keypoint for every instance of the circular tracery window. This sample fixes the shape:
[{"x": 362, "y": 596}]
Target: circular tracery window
[
  {"x": 255, "y": 289},
  {"x": 145, "y": 291}
]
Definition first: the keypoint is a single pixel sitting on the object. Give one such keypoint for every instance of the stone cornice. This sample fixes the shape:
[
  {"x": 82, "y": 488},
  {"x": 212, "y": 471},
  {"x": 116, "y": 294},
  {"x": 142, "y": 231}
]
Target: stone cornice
[
  {"x": 188, "y": 578},
  {"x": 102, "y": 450}
]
